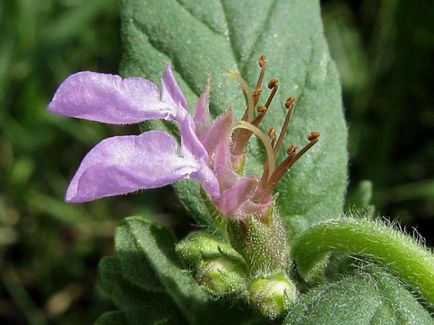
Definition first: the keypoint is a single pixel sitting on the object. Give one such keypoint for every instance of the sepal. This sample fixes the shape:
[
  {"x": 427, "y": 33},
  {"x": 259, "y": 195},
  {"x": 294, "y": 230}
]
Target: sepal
[{"x": 262, "y": 243}]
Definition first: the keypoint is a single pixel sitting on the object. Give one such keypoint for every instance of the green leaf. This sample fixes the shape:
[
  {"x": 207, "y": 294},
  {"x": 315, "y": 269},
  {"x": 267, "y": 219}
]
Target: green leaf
[
  {"x": 139, "y": 306},
  {"x": 144, "y": 248},
  {"x": 372, "y": 297},
  {"x": 214, "y": 36},
  {"x": 111, "y": 318}
]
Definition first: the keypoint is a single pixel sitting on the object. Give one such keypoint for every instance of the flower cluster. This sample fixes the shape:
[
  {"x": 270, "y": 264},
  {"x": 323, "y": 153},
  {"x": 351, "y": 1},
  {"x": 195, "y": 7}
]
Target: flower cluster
[{"x": 210, "y": 151}]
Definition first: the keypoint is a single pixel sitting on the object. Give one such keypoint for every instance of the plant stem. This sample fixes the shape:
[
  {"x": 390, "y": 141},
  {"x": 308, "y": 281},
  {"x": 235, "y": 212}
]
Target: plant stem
[{"x": 400, "y": 253}]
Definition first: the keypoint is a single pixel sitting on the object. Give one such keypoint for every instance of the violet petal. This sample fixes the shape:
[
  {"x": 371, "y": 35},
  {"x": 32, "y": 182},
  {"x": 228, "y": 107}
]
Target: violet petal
[
  {"x": 202, "y": 117},
  {"x": 219, "y": 131},
  {"x": 170, "y": 91},
  {"x": 125, "y": 164},
  {"x": 110, "y": 99},
  {"x": 234, "y": 197}
]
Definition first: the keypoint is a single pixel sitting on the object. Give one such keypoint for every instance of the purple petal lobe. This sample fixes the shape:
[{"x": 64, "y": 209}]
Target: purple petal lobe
[
  {"x": 223, "y": 165},
  {"x": 232, "y": 199},
  {"x": 202, "y": 117},
  {"x": 208, "y": 180},
  {"x": 110, "y": 99},
  {"x": 220, "y": 131},
  {"x": 170, "y": 91},
  {"x": 189, "y": 140},
  {"x": 125, "y": 164}
]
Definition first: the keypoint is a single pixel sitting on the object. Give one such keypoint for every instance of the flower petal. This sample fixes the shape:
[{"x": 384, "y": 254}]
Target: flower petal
[
  {"x": 170, "y": 91},
  {"x": 189, "y": 140},
  {"x": 125, "y": 164},
  {"x": 110, "y": 99},
  {"x": 223, "y": 168},
  {"x": 219, "y": 131},
  {"x": 232, "y": 199},
  {"x": 202, "y": 117}
]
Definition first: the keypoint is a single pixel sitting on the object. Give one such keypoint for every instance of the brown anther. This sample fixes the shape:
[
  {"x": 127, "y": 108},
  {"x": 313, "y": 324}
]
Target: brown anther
[
  {"x": 262, "y": 109},
  {"x": 273, "y": 83},
  {"x": 272, "y": 133},
  {"x": 290, "y": 101},
  {"x": 291, "y": 149},
  {"x": 257, "y": 92},
  {"x": 262, "y": 60},
  {"x": 313, "y": 136}
]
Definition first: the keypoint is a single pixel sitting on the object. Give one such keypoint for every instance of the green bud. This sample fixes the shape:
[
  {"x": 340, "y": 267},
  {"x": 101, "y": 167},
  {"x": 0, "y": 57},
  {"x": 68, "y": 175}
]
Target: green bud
[
  {"x": 200, "y": 246},
  {"x": 222, "y": 276},
  {"x": 272, "y": 295},
  {"x": 262, "y": 243}
]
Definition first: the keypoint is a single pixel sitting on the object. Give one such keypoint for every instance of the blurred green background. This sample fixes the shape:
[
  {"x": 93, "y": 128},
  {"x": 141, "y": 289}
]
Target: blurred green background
[{"x": 49, "y": 250}]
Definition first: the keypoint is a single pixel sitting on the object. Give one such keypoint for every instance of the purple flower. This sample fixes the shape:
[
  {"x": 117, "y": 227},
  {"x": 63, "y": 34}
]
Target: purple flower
[{"x": 210, "y": 151}]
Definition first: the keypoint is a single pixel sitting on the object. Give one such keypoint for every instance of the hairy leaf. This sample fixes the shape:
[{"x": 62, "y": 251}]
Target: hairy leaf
[
  {"x": 146, "y": 283},
  {"x": 400, "y": 253},
  {"x": 137, "y": 304},
  {"x": 214, "y": 36},
  {"x": 372, "y": 297},
  {"x": 111, "y": 318}
]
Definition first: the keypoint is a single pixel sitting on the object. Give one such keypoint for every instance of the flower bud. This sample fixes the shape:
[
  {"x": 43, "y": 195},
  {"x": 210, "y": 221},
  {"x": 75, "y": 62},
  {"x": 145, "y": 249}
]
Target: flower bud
[
  {"x": 200, "y": 246},
  {"x": 222, "y": 276},
  {"x": 272, "y": 295}
]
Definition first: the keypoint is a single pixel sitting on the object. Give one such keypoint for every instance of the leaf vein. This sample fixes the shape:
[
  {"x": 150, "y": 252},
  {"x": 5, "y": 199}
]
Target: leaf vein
[
  {"x": 210, "y": 27},
  {"x": 235, "y": 52},
  {"x": 258, "y": 38}
]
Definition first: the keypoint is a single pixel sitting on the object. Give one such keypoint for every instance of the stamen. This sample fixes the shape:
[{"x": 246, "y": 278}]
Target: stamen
[
  {"x": 285, "y": 165},
  {"x": 241, "y": 137},
  {"x": 272, "y": 136},
  {"x": 247, "y": 92},
  {"x": 271, "y": 159},
  {"x": 273, "y": 85},
  {"x": 289, "y": 104},
  {"x": 262, "y": 63}
]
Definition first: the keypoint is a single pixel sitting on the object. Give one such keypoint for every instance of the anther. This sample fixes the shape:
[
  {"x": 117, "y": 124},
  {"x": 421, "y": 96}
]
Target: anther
[
  {"x": 262, "y": 109},
  {"x": 273, "y": 83},
  {"x": 313, "y": 136},
  {"x": 290, "y": 101},
  {"x": 272, "y": 136},
  {"x": 257, "y": 92},
  {"x": 292, "y": 149},
  {"x": 261, "y": 61}
]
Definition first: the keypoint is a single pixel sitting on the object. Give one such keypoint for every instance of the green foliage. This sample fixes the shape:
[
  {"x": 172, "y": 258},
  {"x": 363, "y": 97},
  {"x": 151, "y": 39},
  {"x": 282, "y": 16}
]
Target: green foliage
[
  {"x": 200, "y": 246},
  {"x": 213, "y": 37},
  {"x": 51, "y": 248},
  {"x": 399, "y": 253},
  {"x": 383, "y": 51},
  {"x": 370, "y": 296},
  {"x": 146, "y": 283}
]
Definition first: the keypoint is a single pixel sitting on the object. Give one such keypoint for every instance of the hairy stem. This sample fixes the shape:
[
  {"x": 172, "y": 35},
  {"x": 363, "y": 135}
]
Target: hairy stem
[{"x": 400, "y": 253}]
